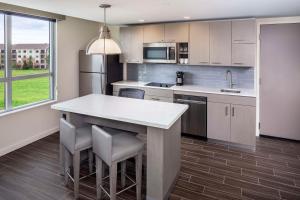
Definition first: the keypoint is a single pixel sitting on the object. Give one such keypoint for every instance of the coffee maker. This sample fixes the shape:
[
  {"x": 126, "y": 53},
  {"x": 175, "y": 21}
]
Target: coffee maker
[{"x": 179, "y": 78}]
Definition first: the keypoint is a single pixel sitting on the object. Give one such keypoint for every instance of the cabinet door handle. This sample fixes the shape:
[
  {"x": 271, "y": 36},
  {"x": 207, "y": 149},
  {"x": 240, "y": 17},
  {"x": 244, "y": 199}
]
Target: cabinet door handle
[
  {"x": 238, "y": 63},
  {"x": 203, "y": 62},
  {"x": 226, "y": 110},
  {"x": 232, "y": 111}
]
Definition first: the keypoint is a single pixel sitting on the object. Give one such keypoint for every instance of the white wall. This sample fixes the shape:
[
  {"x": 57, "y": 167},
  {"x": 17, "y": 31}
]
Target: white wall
[{"x": 23, "y": 127}]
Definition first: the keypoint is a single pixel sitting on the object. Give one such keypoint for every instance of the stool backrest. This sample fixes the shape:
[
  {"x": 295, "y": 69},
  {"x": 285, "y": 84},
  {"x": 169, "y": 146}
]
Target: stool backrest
[
  {"x": 132, "y": 93},
  {"x": 102, "y": 144},
  {"x": 67, "y": 135}
]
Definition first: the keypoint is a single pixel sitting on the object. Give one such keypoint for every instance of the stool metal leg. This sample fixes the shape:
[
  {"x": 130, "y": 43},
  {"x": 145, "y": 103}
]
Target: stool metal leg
[
  {"x": 76, "y": 166},
  {"x": 138, "y": 171},
  {"x": 91, "y": 160},
  {"x": 67, "y": 165},
  {"x": 123, "y": 172},
  {"x": 61, "y": 158},
  {"x": 99, "y": 168},
  {"x": 113, "y": 181}
]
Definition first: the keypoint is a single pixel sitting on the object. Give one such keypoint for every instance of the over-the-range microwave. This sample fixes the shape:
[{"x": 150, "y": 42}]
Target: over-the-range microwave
[{"x": 159, "y": 53}]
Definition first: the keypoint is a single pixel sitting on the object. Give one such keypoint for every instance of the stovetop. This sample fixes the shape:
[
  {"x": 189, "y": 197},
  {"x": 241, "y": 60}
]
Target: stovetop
[{"x": 165, "y": 85}]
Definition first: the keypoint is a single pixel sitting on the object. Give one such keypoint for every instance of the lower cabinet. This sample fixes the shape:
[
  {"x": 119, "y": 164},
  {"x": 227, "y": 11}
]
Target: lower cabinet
[
  {"x": 218, "y": 121},
  {"x": 231, "y": 122},
  {"x": 242, "y": 124}
]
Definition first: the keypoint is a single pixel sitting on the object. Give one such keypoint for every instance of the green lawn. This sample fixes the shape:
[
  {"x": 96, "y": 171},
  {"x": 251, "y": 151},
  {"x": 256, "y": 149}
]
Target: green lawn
[{"x": 26, "y": 91}]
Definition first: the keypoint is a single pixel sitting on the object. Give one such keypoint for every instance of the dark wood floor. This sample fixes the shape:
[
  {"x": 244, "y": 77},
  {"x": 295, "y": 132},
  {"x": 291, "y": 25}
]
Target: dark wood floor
[{"x": 210, "y": 170}]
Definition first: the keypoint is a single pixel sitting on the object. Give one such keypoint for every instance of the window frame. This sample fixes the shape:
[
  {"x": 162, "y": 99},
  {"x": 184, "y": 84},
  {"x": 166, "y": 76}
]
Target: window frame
[{"x": 8, "y": 79}]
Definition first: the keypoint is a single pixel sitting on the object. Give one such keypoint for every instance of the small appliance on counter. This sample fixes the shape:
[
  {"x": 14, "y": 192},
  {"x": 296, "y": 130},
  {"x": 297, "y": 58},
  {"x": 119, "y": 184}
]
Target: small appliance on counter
[{"x": 179, "y": 78}]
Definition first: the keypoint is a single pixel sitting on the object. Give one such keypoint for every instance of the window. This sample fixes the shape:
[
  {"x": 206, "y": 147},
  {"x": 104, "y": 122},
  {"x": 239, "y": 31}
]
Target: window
[{"x": 24, "y": 83}]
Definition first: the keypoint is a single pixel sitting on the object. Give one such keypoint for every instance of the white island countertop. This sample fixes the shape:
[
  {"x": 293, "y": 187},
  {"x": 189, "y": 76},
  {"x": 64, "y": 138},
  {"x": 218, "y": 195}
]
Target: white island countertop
[
  {"x": 143, "y": 112},
  {"x": 190, "y": 88}
]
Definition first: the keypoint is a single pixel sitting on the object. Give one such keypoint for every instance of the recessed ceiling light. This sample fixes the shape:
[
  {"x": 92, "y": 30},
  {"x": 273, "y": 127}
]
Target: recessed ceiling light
[
  {"x": 187, "y": 17},
  {"x": 141, "y": 20}
]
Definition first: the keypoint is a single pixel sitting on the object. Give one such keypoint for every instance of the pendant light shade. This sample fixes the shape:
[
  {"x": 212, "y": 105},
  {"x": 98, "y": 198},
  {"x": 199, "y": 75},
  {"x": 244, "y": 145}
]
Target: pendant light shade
[{"x": 104, "y": 44}]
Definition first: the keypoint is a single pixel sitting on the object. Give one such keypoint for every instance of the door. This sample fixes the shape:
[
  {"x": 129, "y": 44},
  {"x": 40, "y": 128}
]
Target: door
[
  {"x": 243, "y": 55},
  {"x": 220, "y": 43},
  {"x": 154, "y": 33},
  {"x": 177, "y": 32},
  {"x": 125, "y": 38},
  {"x": 218, "y": 121},
  {"x": 199, "y": 43},
  {"x": 244, "y": 31},
  {"x": 243, "y": 124},
  {"x": 280, "y": 80},
  {"x": 90, "y": 83},
  {"x": 90, "y": 63},
  {"x": 132, "y": 44}
]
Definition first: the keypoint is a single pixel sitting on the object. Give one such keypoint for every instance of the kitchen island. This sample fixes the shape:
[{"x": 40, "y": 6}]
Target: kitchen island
[{"x": 161, "y": 122}]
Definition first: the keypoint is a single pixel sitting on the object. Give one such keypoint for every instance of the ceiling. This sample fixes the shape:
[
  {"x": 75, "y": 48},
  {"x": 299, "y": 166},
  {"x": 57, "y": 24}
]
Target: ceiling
[{"x": 131, "y": 11}]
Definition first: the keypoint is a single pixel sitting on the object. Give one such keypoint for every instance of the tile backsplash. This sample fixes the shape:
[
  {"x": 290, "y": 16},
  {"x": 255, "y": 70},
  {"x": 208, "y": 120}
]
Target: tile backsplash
[{"x": 207, "y": 76}]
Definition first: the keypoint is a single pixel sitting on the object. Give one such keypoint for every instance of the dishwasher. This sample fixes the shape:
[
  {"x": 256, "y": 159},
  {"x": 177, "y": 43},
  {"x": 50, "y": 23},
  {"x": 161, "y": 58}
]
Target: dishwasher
[{"x": 194, "y": 120}]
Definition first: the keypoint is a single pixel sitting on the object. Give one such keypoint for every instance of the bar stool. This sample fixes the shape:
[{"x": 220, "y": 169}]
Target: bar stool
[
  {"x": 74, "y": 141},
  {"x": 112, "y": 150}
]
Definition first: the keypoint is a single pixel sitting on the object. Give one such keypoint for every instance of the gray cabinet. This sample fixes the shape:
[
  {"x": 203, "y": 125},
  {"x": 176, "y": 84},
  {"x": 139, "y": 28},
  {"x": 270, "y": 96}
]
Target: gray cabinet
[
  {"x": 132, "y": 44},
  {"x": 177, "y": 32},
  {"x": 243, "y": 54},
  {"x": 244, "y": 31},
  {"x": 242, "y": 124},
  {"x": 220, "y": 43},
  {"x": 199, "y": 43},
  {"x": 154, "y": 33},
  {"x": 218, "y": 121},
  {"x": 231, "y": 122}
]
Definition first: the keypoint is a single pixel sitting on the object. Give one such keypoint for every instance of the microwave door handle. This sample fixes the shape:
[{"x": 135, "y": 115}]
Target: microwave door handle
[{"x": 168, "y": 53}]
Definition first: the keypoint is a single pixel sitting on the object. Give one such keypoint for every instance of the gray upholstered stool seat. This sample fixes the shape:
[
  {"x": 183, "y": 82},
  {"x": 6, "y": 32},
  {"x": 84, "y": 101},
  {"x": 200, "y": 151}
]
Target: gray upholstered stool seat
[
  {"x": 125, "y": 146},
  {"x": 74, "y": 141},
  {"x": 83, "y": 138},
  {"x": 112, "y": 149}
]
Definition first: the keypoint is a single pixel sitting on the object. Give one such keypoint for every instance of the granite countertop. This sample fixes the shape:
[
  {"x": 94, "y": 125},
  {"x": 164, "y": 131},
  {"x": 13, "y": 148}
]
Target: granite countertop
[{"x": 191, "y": 88}]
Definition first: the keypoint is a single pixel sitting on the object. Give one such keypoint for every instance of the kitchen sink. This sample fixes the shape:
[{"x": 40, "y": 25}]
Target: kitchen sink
[{"x": 230, "y": 90}]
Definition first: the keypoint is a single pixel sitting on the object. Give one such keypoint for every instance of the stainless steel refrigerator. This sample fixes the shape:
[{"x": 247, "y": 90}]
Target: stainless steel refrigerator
[{"x": 94, "y": 77}]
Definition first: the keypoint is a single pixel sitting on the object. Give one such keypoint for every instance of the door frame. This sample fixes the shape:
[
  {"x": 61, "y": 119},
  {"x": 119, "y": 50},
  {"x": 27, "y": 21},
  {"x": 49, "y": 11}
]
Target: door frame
[{"x": 259, "y": 23}]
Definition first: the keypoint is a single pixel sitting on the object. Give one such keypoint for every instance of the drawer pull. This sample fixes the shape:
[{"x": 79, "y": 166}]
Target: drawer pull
[
  {"x": 217, "y": 63},
  {"x": 155, "y": 99}
]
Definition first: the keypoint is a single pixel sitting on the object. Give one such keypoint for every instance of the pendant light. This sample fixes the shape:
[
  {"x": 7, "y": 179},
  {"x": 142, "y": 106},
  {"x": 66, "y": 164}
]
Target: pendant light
[{"x": 103, "y": 44}]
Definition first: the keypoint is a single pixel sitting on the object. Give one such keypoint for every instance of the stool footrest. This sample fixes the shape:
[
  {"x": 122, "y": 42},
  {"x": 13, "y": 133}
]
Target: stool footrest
[{"x": 123, "y": 190}]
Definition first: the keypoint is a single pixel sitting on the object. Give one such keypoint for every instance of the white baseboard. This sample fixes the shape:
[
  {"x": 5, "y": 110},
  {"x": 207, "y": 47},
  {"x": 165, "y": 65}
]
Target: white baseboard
[{"x": 27, "y": 141}]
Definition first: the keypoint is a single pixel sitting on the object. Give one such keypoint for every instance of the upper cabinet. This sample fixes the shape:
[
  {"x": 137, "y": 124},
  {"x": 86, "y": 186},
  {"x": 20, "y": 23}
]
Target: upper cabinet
[
  {"x": 223, "y": 43},
  {"x": 131, "y": 44},
  {"x": 244, "y": 42},
  {"x": 243, "y": 55},
  {"x": 199, "y": 43},
  {"x": 244, "y": 31},
  {"x": 220, "y": 43},
  {"x": 177, "y": 32},
  {"x": 154, "y": 33}
]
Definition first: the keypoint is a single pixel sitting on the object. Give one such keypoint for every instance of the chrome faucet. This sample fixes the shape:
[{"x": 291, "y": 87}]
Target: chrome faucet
[{"x": 231, "y": 84}]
